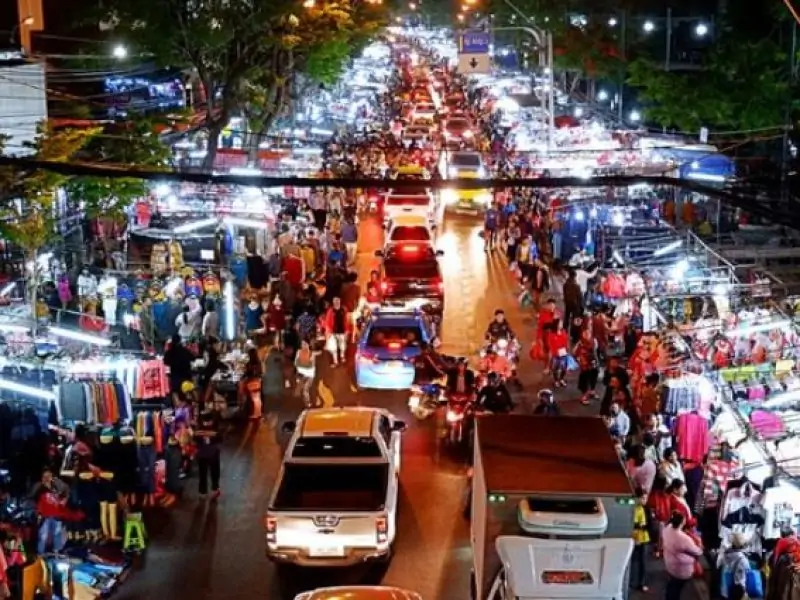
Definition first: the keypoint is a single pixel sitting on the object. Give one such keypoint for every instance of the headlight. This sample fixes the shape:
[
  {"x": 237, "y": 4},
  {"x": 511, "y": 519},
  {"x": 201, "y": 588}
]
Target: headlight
[
  {"x": 486, "y": 199},
  {"x": 481, "y": 173},
  {"x": 449, "y": 196},
  {"x": 452, "y": 172},
  {"x": 467, "y": 134},
  {"x": 453, "y": 417}
]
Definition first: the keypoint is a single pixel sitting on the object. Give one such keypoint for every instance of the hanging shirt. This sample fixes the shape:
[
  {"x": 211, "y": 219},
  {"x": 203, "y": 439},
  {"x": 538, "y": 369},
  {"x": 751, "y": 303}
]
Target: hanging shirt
[
  {"x": 194, "y": 286},
  {"x": 691, "y": 437}
]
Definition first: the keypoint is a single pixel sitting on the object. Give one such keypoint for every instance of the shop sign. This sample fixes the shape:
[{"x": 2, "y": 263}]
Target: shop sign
[{"x": 227, "y": 159}]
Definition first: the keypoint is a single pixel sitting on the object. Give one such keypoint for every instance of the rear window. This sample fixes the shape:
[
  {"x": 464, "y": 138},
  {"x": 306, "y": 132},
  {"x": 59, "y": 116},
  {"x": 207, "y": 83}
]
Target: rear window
[
  {"x": 395, "y": 337},
  {"x": 465, "y": 160},
  {"x": 410, "y": 234},
  {"x": 336, "y": 446},
  {"x": 457, "y": 124},
  {"x": 409, "y": 200},
  {"x": 398, "y": 269},
  {"x": 332, "y": 487}
]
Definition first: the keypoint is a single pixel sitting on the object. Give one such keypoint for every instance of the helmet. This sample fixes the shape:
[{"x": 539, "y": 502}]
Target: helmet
[
  {"x": 546, "y": 396},
  {"x": 187, "y": 387}
]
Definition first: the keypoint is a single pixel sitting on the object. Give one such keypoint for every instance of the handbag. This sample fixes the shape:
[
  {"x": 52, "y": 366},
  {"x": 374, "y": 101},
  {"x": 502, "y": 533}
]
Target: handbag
[{"x": 572, "y": 364}]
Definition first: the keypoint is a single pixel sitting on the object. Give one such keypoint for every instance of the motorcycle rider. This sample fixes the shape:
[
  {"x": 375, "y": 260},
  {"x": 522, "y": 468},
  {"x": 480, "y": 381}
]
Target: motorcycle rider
[
  {"x": 499, "y": 328},
  {"x": 547, "y": 404},
  {"x": 429, "y": 365},
  {"x": 461, "y": 379},
  {"x": 494, "y": 396},
  {"x": 496, "y": 363}
]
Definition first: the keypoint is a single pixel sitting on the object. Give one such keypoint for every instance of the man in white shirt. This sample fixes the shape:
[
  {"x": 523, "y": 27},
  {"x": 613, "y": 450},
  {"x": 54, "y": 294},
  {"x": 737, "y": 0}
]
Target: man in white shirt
[{"x": 620, "y": 425}]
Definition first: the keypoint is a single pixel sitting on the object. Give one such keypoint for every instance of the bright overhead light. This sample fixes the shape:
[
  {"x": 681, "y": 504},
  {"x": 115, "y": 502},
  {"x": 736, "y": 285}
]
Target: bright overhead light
[
  {"x": 13, "y": 386},
  {"x": 602, "y": 95},
  {"x": 8, "y": 289},
  {"x": 119, "y": 52},
  {"x": 636, "y": 116},
  {"x": 618, "y": 258},
  {"x": 649, "y": 26},
  {"x": 578, "y": 111},
  {"x": 79, "y": 336},
  {"x": 194, "y": 225},
  {"x": 760, "y": 328},
  {"x": 668, "y": 248},
  {"x": 13, "y": 328},
  {"x": 701, "y": 30},
  {"x": 163, "y": 189},
  {"x": 239, "y": 222},
  {"x": 612, "y": 22}
]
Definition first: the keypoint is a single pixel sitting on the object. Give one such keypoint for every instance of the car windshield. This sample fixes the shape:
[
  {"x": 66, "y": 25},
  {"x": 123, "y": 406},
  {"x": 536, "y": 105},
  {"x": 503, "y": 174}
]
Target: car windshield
[
  {"x": 410, "y": 269},
  {"x": 466, "y": 160},
  {"x": 457, "y": 124},
  {"x": 336, "y": 446},
  {"x": 394, "y": 336},
  {"x": 408, "y": 200},
  {"x": 410, "y": 234}
]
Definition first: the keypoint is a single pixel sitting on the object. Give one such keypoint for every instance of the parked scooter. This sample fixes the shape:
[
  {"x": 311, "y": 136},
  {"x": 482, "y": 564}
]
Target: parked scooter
[{"x": 425, "y": 400}]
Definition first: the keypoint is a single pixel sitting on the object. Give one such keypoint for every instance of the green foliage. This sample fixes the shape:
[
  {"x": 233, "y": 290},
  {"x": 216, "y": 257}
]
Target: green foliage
[
  {"x": 326, "y": 61},
  {"x": 742, "y": 86}
]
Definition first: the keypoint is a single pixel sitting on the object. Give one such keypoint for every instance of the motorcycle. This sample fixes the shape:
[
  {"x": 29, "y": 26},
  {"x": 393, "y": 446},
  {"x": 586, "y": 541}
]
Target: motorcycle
[
  {"x": 459, "y": 409},
  {"x": 425, "y": 400}
]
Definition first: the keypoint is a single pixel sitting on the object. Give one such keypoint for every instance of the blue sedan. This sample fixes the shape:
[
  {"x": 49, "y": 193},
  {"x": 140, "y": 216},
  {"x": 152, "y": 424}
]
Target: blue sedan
[{"x": 388, "y": 345}]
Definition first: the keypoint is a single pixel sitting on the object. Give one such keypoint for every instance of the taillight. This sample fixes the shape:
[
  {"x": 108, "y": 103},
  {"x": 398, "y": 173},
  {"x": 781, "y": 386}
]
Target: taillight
[
  {"x": 366, "y": 357},
  {"x": 440, "y": 287},
  {"x": 382, "y": 530},
  {"x": 271, "y": 524},
  {"x": 386, "y": 287}
]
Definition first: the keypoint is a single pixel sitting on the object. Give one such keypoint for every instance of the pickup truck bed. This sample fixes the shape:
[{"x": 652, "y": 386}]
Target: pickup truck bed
[{"x": 332, "y": 488}]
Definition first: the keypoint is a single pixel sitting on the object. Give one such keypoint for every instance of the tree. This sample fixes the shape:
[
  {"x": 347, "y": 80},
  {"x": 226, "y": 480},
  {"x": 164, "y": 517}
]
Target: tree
[
  {"x": 317, "y": 43},
  {"x": 27, "y": 213},
  {"x": 742, "y": 86},
  {"x": 223, "y": 41},
  {"x": 130, "y": 145}
]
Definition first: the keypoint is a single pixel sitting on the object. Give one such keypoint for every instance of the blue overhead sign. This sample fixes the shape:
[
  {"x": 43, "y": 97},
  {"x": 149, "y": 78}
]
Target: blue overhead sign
[{"x": 474, "y": 42}]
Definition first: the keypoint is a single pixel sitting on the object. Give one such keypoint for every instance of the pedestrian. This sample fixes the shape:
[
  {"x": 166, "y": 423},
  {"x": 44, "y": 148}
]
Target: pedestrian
[
  {"x": 573, "y": 298},
  {"x": 208, "y": 438},
  {"x": 670, "y": 466},
  {"x": 641, "y": 470},
  {"x": 735, "y": 566},
  {"x": 349, "y": 233},
  {"x": 179, "y": 360},
  {"x": 558, "y": 344},
  {"x": 305, "y": 364},
  {"x": 585, "y": 353},
  {"x": 641, "y": 540},
  {"x": 680, "y": 555},
  {"x": 337, "y": 327},
  {"x": 273, "y": 382},
  {"x": 250, "y": 385}
]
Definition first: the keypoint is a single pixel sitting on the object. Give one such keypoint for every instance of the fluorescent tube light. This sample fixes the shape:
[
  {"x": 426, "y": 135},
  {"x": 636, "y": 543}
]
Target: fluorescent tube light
[
  {"x": 239, "y": 222},
  {"x": 194, "y": 225},
  {"x": 8, "y": 289},
  {"x": 13, "y": 386},
  {"x": 760, "y": 328},
  {"x": 668, "y": 248},
  {"x": 12, "y": 328},
  {"x": 79, "y": 336}
]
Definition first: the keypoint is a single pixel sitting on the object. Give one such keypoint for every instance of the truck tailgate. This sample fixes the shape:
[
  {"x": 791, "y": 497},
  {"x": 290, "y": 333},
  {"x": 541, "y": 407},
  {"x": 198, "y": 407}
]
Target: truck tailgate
[{"x": 325, "y": 535}]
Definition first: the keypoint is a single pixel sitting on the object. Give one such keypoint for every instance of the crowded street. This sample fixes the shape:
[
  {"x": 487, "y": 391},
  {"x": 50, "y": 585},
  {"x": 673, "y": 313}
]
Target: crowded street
[{"x": 448, "y": 361}]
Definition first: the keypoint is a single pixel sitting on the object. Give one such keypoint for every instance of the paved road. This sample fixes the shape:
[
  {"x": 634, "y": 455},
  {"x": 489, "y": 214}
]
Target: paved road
[{"x": 204, "y": 551}]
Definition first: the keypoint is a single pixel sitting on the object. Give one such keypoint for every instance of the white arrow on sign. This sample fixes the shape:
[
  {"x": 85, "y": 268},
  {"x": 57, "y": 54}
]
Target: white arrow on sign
[{"x": 474, "y": 63}]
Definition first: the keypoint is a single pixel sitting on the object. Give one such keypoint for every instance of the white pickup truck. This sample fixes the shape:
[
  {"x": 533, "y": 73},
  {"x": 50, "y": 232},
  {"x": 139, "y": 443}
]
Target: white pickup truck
[{"x": 335, "y": 500}]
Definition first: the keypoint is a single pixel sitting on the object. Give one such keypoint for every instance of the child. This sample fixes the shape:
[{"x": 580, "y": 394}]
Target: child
[{"x": 641, "y": 538}]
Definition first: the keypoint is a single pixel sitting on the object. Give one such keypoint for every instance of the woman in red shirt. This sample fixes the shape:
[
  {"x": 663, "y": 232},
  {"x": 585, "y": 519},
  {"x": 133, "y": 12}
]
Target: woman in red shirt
[{"x": 558, "y": 344}]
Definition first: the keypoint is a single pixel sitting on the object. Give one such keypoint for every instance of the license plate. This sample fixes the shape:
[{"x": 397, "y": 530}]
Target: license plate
[
  {"x": 326, "y": 552},
  {"x": 396, "y": 364}
]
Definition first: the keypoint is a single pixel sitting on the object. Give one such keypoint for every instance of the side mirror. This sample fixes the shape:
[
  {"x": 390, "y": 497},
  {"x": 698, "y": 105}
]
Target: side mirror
[
  {"x": 379, "y": 253},
  {"x": 400, "y": 426},
  {"x": 289, "y": 427},
  {"x": 440, "y": 253}
]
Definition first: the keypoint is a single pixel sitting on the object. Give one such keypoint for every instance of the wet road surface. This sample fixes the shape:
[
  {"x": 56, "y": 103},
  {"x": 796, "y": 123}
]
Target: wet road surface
[{"x": 201, "y": 550}]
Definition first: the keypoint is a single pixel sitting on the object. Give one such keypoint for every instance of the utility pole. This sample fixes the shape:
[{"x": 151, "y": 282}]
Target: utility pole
[
  {"x": 787, "y": 119},
  {"x": 669, "y": 39},
  {"x": 623, "y": 51}
]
